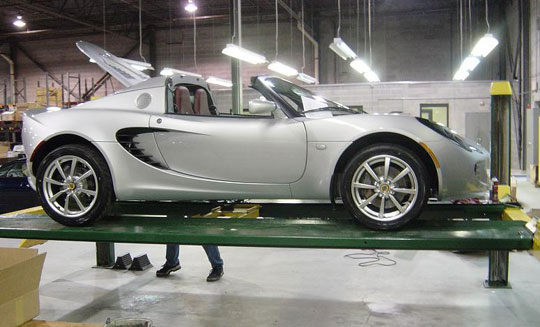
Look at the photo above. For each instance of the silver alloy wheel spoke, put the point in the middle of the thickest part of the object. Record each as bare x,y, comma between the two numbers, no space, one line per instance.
73,164
52,181
381,209
365,186
368,200
370,171
66,204
79,203
88,192
55,196
386,167
60,170
396,203
405,190
85,175
403,173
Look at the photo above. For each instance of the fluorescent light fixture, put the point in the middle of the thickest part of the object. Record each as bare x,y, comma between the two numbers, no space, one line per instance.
469,64
218,81
19,22
360,66
232,50
307,79
191,7
371,76
283,69
171,71
484,46
342,49
461,75
138,65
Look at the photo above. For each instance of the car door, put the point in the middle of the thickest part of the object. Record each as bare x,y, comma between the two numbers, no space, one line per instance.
247,149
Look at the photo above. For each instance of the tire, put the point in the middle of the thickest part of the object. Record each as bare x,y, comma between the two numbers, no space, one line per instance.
78,196
364,192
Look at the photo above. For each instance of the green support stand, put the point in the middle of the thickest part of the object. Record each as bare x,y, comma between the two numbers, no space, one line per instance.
498,270
105,256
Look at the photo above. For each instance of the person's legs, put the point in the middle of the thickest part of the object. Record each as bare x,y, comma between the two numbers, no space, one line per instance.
172,264
214,257
173,253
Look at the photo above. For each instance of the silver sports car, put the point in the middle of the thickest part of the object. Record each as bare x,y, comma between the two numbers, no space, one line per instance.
164,139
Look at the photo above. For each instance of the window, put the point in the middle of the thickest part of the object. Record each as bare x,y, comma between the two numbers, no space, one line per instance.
435,112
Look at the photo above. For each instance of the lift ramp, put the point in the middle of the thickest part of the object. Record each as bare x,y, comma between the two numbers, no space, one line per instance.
441,227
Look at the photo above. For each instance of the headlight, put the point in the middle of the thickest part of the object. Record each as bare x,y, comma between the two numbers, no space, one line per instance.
446,132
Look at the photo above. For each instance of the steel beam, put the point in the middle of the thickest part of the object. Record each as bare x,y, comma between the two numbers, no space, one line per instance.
236,65
53,13
40,66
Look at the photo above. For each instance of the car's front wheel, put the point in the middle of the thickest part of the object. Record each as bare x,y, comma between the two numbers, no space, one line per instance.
75,185
384,186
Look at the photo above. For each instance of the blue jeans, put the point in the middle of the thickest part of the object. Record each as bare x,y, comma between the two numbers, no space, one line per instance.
212,251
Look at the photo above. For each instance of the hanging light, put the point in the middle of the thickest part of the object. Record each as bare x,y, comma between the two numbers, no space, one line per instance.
191,7
485,45
171,71
469,64
461,75
371,76
342,49
19,22
307,79
360,66
219,81
283,69
232,50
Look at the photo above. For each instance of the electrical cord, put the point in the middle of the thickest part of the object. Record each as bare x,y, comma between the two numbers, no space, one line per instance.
372,257
277,30
140,31
303,40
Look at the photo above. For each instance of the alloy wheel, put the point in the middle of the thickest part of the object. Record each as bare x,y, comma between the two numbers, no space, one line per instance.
70,186
384,188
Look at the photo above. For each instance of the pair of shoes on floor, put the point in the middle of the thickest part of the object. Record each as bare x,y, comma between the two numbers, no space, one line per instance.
167,270
215,274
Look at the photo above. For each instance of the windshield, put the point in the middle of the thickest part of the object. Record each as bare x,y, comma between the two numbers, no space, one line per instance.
305,101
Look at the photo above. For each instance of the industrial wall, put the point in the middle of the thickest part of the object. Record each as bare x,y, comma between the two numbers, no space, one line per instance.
417,46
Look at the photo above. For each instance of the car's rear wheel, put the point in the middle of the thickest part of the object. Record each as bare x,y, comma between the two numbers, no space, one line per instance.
75,185
384,186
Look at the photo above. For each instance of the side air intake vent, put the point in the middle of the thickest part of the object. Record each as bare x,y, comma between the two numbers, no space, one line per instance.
133,140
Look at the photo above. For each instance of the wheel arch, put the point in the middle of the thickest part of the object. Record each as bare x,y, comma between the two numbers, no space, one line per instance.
57,141
388,138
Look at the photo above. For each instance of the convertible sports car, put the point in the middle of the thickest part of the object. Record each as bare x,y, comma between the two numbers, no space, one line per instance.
164,139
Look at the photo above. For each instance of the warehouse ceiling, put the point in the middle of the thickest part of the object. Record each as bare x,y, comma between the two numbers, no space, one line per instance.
57,18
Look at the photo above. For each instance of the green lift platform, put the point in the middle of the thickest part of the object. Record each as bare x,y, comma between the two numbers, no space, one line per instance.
441,227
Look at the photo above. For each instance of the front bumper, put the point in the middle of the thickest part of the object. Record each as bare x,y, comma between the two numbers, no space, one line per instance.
463,174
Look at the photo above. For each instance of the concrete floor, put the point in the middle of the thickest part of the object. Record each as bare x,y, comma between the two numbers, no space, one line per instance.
292,287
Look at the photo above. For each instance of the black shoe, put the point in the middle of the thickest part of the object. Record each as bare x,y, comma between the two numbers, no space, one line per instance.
167,270
215,274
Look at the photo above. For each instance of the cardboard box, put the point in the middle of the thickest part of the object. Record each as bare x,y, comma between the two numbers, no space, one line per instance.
8,116
20,272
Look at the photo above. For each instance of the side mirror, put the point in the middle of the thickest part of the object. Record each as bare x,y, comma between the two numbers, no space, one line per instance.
261,107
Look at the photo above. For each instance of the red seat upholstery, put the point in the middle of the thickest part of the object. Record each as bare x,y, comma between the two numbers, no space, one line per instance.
182,100
201,103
